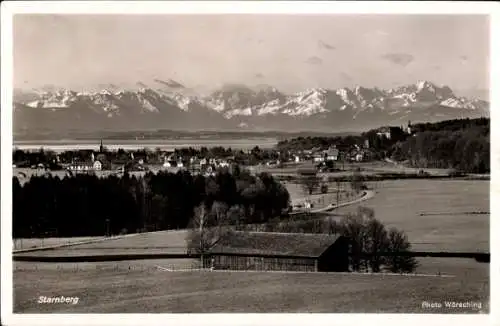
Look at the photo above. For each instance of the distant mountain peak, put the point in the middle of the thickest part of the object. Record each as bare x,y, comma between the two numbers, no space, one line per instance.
169,83
238,105
421,84
141,85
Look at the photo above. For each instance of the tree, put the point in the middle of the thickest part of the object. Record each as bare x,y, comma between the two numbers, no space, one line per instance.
352,229
207,228
156,201
357,183
373,247
339,186
377,242
309,181
398,243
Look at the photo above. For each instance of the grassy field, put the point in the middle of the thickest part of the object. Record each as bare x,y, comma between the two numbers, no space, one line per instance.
381,166
174,242
366,168
435,214
153,242
140,287
48,242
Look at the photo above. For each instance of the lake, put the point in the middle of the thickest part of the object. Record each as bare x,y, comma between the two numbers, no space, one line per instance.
164,144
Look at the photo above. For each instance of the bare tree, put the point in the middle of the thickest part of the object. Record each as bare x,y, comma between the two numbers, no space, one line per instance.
376,243
352,228
339,184
398,243
373,247
357,183
207,228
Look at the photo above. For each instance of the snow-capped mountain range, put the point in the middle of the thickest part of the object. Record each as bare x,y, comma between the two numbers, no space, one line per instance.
171,105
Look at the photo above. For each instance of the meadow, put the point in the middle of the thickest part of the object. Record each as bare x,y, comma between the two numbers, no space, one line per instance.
49,242
139,287
141,243
437,215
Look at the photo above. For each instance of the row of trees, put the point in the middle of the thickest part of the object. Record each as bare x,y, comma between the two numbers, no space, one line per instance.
85,205
370,240
465,150
311,183
453,125
369,236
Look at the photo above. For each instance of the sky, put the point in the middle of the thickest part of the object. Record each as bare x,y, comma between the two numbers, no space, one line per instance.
289,52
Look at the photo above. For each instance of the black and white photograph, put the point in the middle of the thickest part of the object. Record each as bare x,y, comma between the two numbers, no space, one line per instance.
177,159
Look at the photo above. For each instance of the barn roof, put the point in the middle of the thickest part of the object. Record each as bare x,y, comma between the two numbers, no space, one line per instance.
273,243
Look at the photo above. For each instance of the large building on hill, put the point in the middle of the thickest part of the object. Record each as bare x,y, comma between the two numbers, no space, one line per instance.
269,251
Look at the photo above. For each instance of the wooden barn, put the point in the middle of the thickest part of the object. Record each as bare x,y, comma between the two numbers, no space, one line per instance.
269,251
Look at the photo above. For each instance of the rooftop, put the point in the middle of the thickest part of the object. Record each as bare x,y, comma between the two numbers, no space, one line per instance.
273,243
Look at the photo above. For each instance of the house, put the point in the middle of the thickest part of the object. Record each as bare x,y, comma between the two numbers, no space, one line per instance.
97,166
297,159
208,170
81,166
105,164
166,162
332,154
318,157
359,156
85,166
270,251
196,167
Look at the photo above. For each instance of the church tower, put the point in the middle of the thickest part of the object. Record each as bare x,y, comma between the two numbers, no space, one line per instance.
101,148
